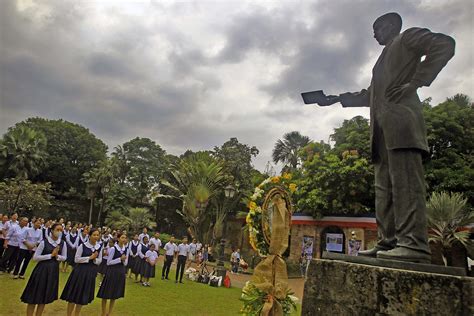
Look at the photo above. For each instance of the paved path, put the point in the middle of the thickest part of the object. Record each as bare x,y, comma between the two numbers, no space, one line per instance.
238,280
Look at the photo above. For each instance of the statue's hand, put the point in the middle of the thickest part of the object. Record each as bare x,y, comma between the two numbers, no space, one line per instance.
397,93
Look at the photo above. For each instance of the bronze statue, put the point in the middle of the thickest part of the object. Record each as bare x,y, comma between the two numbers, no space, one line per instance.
398,133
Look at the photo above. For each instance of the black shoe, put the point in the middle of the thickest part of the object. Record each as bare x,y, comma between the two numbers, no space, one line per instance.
181,282
176,281
166,278
372,252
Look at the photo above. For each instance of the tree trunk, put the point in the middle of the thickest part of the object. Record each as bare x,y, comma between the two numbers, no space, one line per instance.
90,210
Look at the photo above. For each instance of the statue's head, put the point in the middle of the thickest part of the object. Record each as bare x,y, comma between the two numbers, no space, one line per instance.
386,27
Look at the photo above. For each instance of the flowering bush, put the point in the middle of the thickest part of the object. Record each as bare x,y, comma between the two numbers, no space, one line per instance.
254,299
255,203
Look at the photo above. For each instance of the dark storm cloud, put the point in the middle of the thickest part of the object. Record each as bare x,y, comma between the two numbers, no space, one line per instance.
194,74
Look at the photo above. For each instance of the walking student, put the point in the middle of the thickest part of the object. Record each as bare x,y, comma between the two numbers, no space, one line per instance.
142,249
71,239
80,286
151,258
183,252
113,286
30,239
42,286
170,252
4,220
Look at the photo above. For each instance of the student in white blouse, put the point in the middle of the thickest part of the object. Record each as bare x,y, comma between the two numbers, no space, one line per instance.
42,287
30,239
12,245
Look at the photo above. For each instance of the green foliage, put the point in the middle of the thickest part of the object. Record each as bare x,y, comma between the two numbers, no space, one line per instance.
139,218
22,153
447,214
451,141
354,134
22,195
286,150
333,185
116,220
71,150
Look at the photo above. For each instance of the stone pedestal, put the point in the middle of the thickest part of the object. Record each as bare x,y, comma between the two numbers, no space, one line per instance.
335,287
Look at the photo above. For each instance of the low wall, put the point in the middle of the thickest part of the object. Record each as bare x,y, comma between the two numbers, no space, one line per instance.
343,288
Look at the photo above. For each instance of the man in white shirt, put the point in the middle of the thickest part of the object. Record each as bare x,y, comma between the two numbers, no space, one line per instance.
183,253
11,245
30,239
192,252
3,221
170,251
155,240
13,221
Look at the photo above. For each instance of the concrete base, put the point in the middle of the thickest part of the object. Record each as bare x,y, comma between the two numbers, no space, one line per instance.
344,288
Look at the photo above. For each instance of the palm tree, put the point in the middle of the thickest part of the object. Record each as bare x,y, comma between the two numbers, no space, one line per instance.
23,152
286,150
447,215
140,217
197,180
117,220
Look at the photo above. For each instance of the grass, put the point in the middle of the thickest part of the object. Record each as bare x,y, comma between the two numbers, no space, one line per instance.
162,298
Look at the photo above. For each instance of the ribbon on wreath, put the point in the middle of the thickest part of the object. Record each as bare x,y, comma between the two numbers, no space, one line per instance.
270,275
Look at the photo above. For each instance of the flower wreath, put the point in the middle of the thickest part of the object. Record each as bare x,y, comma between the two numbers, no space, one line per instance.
258,201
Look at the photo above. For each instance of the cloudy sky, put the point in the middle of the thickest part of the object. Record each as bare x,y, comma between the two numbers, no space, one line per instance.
192,74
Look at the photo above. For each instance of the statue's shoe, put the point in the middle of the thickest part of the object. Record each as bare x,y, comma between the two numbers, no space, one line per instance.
404,254
371,252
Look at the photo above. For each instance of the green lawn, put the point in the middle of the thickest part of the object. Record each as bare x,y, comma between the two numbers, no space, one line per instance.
162,298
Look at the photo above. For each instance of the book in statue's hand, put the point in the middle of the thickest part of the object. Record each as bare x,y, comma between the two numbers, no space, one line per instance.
319,98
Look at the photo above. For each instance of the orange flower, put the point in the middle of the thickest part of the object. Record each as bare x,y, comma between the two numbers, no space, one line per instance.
292,187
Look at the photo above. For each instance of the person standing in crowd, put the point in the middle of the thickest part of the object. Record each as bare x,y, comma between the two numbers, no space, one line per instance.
12,245
141,260
12,222
106,236
235,261
32,222
71,239
4,220
192,252
83,236
170,252
151,258
46,229
105,255
156,241
183,253
113,286
42,286
198,246
66,231
132,258
205,253
80,286
143,234
29,240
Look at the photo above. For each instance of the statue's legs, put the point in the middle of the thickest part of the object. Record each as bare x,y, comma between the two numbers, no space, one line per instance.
408,198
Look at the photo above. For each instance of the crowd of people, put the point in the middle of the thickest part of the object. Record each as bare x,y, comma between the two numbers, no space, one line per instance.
56,245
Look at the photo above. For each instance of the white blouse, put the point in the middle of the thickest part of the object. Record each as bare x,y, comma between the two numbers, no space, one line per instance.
78,257
60,257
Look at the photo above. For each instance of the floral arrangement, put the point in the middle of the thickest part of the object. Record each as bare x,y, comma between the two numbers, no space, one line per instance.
255,204
254,299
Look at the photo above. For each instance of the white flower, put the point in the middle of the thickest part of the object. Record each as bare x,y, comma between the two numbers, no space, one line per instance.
293,298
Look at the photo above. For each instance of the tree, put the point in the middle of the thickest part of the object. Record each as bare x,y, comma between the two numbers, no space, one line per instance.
117,220
99,180
22,153
71,150
354,134
450,166
141,163
286,150
333,185
22,195
140,217
447,214
196,180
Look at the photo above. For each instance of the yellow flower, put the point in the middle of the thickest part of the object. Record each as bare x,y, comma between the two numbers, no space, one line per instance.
292,187
287,176
252,205
248,219
276,179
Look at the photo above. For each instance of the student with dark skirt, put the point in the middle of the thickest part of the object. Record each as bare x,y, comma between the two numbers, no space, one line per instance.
42,286
140,264
151,258
113,286
71,245
105,255
80,286
132,258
